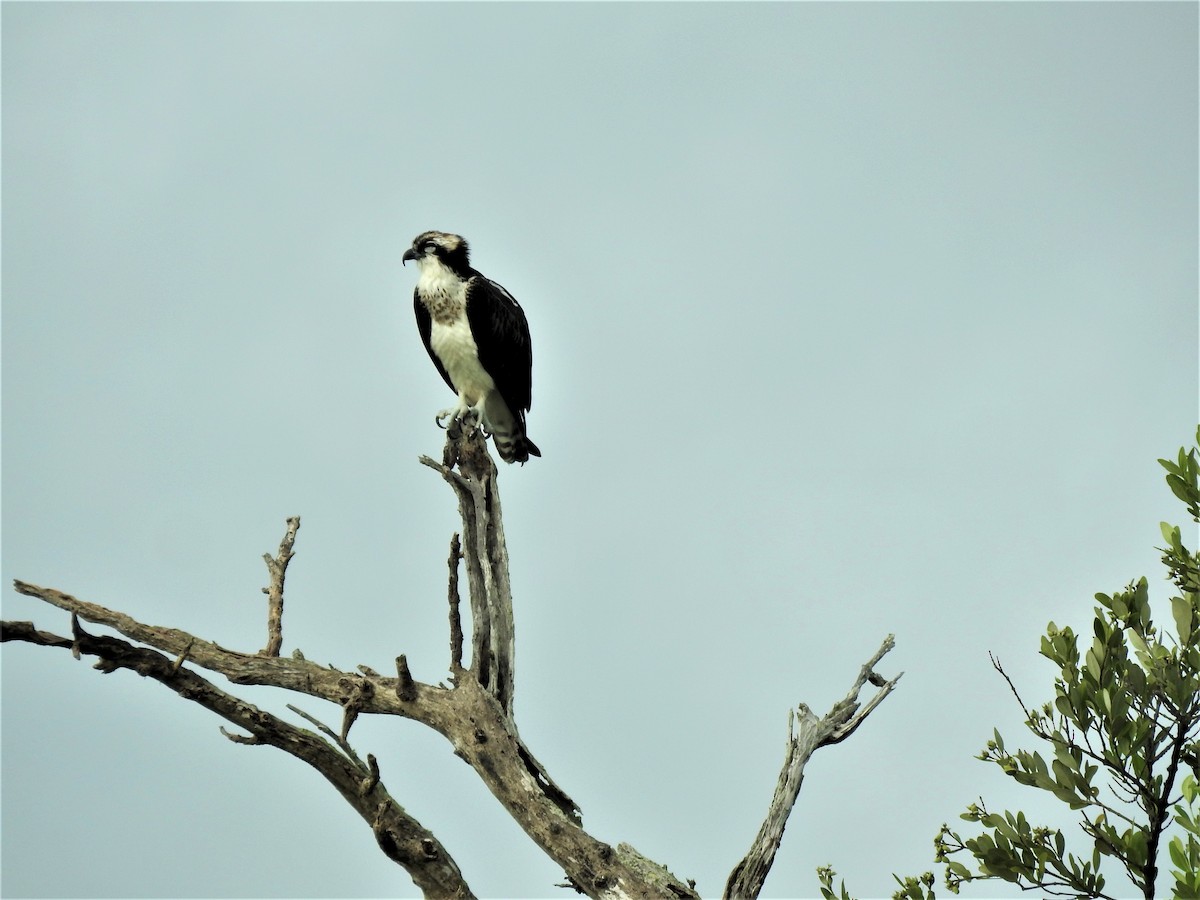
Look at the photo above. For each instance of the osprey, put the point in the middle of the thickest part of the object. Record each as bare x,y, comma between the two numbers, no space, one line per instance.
477,336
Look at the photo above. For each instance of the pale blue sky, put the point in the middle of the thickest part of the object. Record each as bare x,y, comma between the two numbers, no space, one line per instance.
848,319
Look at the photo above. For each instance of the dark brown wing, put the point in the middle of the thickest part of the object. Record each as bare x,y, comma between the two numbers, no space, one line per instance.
502,336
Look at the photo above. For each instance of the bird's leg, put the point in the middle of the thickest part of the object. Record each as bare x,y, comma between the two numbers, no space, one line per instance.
484,427
473,417
465,414
456,412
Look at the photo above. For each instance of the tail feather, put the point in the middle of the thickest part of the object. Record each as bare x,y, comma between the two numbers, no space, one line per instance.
515,447
508,431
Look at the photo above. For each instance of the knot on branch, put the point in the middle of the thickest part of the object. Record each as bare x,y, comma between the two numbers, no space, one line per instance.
384,837
358,693
406,688
368,784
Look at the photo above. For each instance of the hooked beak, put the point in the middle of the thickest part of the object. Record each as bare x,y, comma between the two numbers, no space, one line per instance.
408,254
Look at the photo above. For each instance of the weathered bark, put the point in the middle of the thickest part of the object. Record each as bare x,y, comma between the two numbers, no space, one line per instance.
400,836
493,641
277,570
456,632
475,715
809,735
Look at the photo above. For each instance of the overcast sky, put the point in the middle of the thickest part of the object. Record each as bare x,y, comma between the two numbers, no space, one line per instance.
847,319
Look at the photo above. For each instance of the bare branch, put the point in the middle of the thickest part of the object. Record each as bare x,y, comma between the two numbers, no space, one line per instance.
408,843
299,675
486,558
849,703
475,716
25,631
544,810
456,631
469,716
806,734
329,733
277,569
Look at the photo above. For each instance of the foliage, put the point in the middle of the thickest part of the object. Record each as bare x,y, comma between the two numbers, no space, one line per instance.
1119,746
914,887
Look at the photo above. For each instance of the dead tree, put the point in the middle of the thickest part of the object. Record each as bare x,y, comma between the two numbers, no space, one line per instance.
475,713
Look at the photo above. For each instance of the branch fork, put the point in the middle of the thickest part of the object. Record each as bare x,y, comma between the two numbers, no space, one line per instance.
475,714
485,554
807,733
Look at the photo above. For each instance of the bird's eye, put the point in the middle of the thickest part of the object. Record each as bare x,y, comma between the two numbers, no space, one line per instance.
429,247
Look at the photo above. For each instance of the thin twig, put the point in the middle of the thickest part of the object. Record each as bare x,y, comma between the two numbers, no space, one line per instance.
996,665
329,733
179,660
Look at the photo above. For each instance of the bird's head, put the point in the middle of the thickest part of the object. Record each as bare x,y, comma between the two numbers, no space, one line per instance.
439,247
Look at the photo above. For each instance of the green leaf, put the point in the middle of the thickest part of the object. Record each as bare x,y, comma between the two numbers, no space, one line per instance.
1181,609
1137,846
1169,532
1138,643
1178,856
1180,488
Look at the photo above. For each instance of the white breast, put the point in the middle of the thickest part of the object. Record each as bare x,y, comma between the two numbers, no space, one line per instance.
444,295
456,348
